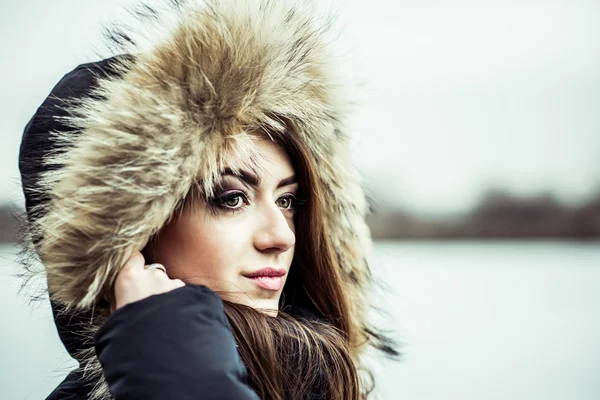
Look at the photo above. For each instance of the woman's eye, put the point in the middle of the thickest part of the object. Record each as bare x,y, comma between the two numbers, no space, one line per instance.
233,201
286,202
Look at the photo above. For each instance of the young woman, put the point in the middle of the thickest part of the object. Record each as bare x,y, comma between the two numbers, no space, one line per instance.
197,215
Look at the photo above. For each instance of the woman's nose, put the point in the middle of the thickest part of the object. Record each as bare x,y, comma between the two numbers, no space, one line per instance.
275,231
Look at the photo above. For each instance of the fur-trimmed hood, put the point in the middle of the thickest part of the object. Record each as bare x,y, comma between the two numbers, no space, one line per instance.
161,120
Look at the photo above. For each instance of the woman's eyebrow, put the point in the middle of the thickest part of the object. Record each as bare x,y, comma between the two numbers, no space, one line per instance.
287,181
247,177
253,180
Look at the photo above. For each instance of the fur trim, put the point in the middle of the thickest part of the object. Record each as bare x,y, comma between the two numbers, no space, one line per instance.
148,135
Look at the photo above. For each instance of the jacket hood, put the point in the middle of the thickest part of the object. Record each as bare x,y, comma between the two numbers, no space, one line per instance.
127,146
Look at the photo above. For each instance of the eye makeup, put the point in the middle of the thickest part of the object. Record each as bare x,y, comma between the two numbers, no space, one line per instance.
235,193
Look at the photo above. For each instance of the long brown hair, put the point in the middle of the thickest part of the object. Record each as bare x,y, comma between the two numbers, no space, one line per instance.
306,352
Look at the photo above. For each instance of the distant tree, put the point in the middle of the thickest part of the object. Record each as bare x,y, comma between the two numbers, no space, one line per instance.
9,223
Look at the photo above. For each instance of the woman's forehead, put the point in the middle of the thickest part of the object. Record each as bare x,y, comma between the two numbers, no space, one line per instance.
267,160
249,153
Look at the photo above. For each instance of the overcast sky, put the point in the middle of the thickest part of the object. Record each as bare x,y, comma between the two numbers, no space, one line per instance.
458,96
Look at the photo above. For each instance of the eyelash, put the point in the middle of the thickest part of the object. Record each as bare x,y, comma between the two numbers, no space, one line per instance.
219,202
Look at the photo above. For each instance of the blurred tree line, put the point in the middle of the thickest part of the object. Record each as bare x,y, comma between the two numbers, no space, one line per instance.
499,215
9,223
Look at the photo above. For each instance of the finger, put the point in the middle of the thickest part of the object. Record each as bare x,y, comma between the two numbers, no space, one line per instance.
178,283
136,261
156,266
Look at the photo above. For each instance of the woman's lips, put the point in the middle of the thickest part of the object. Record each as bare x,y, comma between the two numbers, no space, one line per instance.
269,282
268,278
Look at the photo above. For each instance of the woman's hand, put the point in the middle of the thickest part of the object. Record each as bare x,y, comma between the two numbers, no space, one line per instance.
136,281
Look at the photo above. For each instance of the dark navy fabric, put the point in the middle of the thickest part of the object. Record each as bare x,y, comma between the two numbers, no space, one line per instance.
36,144
177,345
72,388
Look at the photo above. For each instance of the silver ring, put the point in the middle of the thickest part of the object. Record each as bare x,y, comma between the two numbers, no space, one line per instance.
156,266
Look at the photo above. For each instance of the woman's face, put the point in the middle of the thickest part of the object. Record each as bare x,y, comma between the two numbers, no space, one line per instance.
241,242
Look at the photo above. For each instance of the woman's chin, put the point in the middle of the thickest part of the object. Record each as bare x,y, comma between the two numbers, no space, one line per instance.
268,306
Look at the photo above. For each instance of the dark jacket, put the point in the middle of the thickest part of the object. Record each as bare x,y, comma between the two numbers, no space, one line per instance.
176,345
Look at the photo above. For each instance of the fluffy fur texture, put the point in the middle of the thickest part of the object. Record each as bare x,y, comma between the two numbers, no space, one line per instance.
225,67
